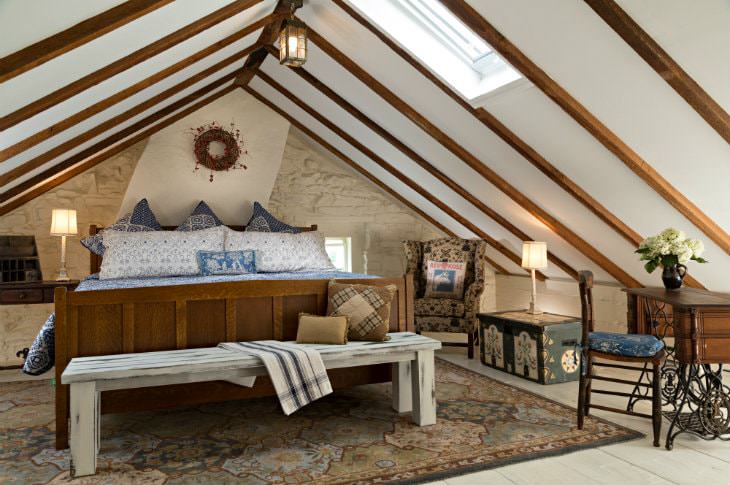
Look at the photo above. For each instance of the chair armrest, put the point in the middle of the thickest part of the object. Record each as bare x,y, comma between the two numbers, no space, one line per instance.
472,297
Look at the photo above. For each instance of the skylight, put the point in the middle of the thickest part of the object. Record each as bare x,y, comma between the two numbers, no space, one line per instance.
448,47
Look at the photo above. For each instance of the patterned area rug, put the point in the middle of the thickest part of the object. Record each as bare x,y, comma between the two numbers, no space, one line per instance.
348,437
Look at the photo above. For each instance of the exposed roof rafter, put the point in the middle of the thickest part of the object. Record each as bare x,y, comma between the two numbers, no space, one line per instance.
268,36
329,147
490,175
425,164
360,169
51,47
663,64
110,123
511,138
111,140
395,172
126,62
119,96
585,118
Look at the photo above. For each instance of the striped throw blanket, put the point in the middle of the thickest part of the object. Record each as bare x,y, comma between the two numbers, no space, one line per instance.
297,372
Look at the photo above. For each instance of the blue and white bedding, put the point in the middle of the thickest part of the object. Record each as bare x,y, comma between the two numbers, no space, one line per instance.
42,353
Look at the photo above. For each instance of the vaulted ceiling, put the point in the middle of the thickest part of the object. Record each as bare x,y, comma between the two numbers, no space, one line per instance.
618,129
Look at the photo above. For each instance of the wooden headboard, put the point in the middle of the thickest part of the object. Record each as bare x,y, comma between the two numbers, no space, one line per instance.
95,259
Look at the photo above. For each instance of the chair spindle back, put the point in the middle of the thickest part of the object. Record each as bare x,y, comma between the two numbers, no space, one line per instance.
585,279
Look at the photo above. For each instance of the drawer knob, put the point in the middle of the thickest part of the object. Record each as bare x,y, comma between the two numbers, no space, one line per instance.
21,296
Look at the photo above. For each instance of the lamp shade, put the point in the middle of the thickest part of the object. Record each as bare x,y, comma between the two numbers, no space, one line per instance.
63,222
534,255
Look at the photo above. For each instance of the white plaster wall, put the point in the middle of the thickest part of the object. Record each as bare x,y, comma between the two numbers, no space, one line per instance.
165,174
561,296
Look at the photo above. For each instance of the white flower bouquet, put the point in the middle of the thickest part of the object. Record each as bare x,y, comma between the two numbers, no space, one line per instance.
670,248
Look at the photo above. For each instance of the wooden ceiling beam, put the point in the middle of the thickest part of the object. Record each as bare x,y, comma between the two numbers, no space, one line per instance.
119,96
85,31
307,131
126,62
394,171
268,36
354,165
112,139
511,138
425,164
490,175
587,120
659,60
109,124
76,170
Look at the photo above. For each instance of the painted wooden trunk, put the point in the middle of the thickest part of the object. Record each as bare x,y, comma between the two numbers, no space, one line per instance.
541,348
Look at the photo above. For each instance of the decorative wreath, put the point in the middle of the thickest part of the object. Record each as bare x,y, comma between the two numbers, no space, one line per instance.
231,140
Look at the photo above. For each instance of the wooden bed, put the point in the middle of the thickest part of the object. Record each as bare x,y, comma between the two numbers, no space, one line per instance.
188,316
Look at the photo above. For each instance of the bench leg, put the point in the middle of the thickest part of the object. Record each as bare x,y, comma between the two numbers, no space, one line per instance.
423,384
84,428
402,401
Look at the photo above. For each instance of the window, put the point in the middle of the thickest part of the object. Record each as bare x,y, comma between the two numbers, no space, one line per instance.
340,252
448,47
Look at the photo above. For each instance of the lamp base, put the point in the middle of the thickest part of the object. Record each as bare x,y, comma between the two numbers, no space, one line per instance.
62,275
533,310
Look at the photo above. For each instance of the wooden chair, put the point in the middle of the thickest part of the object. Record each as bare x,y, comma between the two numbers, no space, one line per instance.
634,348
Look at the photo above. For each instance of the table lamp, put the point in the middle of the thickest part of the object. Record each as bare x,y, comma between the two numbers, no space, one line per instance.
63,223
534,256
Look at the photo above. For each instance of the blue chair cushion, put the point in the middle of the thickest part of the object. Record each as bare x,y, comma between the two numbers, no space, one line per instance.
625,345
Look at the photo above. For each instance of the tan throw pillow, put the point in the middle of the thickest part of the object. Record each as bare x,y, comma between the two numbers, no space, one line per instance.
316,329
445,280
367,307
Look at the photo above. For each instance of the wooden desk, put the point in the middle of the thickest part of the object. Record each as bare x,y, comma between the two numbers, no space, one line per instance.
692,373
699,320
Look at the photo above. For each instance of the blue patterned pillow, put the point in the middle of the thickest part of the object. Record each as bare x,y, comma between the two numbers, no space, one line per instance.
262,221
202,217
226,262
42,354
141,219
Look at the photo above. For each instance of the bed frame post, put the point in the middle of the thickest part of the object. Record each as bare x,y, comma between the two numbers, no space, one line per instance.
62,358
94,259
410,300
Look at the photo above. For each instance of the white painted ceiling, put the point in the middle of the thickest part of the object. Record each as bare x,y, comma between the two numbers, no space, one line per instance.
565,38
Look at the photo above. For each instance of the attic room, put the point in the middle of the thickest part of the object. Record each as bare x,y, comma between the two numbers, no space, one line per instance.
365,241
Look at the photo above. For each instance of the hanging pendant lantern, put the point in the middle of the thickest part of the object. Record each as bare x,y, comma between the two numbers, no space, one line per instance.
293,42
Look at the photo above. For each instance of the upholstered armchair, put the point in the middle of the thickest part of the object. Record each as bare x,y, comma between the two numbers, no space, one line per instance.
444,314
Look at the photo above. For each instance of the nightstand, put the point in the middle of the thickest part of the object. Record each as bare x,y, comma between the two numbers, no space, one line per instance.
31,292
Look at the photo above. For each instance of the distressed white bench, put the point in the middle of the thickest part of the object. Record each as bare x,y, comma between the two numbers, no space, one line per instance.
412,357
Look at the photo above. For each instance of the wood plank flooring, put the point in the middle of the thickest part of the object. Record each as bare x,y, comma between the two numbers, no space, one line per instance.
692,461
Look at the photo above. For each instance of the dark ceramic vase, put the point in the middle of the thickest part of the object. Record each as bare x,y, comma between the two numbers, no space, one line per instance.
672,276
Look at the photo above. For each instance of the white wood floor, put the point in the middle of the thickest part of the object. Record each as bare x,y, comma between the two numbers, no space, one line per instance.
692,461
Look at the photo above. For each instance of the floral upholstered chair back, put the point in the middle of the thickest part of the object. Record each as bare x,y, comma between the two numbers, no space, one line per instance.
470,251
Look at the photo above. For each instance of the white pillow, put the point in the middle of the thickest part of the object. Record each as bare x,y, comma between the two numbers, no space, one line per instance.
280,251
159,253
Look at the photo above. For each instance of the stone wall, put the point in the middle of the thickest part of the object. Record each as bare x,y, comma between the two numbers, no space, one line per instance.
96,195
314,188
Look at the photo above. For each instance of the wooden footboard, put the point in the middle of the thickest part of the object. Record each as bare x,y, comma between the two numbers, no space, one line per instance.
188,316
